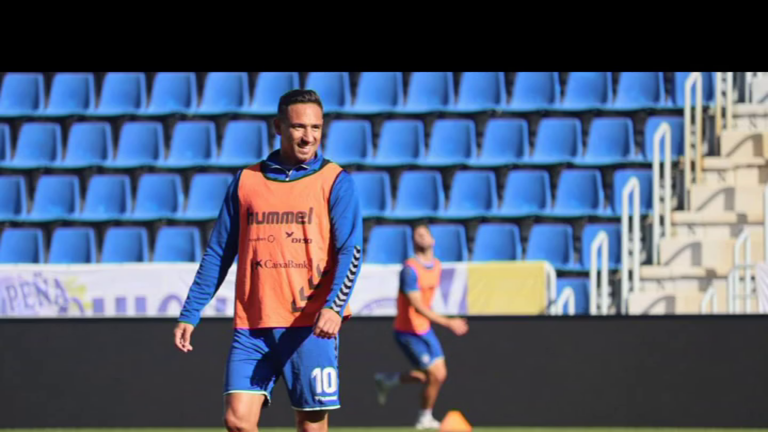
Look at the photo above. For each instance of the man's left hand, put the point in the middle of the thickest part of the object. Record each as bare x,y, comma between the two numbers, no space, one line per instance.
327,324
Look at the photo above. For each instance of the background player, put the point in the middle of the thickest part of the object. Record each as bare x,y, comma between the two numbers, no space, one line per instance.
419,279
294,220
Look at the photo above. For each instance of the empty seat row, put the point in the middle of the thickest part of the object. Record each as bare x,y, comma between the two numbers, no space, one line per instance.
552,242
376,92
139,143
610,141
474,193
109,197
77,245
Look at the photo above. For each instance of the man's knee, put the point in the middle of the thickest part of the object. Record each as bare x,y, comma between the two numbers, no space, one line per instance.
312,421
438,372
242,412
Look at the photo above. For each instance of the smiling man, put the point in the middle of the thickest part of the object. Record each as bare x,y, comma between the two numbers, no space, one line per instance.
294,221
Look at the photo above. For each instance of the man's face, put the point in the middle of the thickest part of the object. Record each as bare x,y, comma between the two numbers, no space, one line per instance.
423,238
300,131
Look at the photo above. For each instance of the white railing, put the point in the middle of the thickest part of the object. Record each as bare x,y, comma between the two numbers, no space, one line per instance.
567,299
664,132
599,244
709,299
694,79
735,292
551,288
632,187
765,222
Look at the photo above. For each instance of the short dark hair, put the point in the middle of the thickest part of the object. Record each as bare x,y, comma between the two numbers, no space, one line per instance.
421,225
297,96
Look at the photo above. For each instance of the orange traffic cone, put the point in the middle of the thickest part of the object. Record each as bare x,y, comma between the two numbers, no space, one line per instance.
454,421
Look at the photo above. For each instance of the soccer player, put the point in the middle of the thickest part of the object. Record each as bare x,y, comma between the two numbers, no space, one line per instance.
419,279
295,224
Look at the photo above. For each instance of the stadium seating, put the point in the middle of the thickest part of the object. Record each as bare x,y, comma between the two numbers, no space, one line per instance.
613,230
157,149
580,287
73,245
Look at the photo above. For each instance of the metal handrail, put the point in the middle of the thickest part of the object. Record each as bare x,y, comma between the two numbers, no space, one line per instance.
551,287
695,78
710,298
733,276
600,242
664,131
567,298
633,185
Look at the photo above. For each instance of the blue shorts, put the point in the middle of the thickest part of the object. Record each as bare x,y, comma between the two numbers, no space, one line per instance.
422,350
307,363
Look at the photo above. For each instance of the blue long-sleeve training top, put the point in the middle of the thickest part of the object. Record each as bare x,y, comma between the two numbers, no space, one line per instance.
346,227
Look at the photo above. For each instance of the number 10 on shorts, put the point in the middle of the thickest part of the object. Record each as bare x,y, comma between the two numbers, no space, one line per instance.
325,380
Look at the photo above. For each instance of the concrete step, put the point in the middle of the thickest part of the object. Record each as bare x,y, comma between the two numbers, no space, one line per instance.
685,300
734,171
743,143
717,254
722,198
714,225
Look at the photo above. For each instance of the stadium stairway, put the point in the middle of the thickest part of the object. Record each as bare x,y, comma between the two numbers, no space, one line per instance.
698,254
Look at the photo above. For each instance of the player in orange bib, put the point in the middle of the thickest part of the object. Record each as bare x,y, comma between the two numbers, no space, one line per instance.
294,222
419,279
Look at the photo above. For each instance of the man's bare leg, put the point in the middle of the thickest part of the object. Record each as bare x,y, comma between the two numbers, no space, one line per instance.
312,421
242,411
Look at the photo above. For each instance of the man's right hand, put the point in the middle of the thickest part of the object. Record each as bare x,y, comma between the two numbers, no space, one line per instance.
458,325
183,335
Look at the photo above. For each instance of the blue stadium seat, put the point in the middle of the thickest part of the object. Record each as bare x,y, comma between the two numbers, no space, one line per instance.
107,198
551,242
620,179
125,244
349,141
480,91
375,192
611,141
173,93
450,242
177,244
527,192
89,144
22,246
270,86
333,88
13,197
535,91
224,92
588,234
558,140
38,146
401,142
389,244
429,92
56,197
707,89
140,144
452,142
72,93
677,135
579,193
640,90
505,142
588,91
158,196
206,195
420,194
580,287
473,194
193,144
22,94
72,245
245,142
497,242
122,93
378,93
5,144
